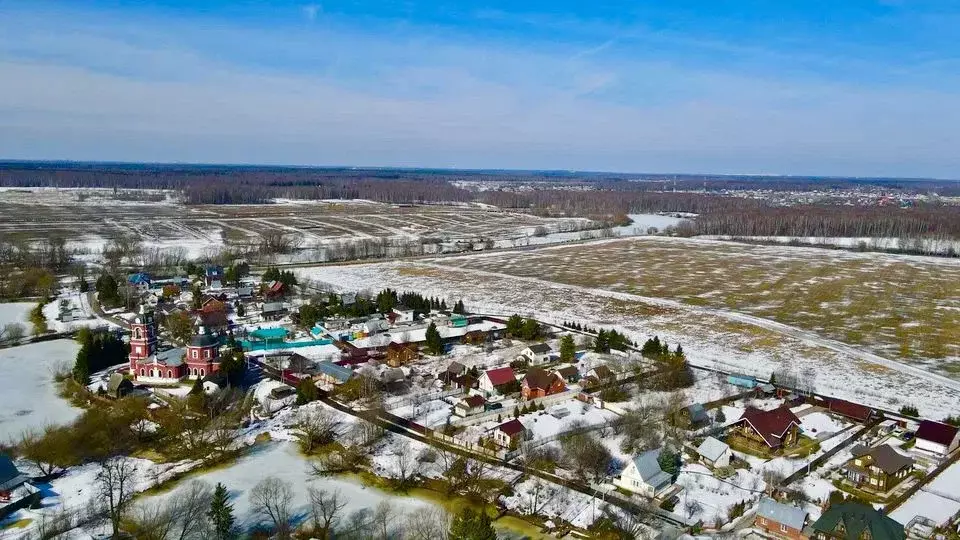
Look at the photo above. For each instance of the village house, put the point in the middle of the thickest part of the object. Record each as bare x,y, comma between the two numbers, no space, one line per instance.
118,386
937,438
511,433
538,383
140,282
273,311
498,381
714,453
213,276
536,354
401,354
780,520
15,491
331,373
765,431
855,521
853,411
403,314
245,293
216,321
879,469
470,405
275,290
454,370
569,374
466,382
392,376
692,416
603,374
644,476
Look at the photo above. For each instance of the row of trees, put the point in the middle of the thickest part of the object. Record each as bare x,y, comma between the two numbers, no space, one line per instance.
520,328
99,349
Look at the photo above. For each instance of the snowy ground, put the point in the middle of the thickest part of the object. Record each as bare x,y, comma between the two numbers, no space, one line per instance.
28,393
77,301
840,370
939,500
16,312
715,496
545,425
283,460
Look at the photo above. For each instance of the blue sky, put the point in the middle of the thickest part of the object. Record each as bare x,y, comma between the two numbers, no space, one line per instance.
779,87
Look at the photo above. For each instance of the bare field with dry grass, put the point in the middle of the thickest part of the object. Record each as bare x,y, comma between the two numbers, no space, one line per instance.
901,307
710,339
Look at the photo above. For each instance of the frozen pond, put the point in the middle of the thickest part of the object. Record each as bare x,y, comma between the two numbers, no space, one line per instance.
16,312
642,222
28,394
284,461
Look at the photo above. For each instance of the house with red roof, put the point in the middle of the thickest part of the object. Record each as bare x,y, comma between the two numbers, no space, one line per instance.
937,438
510,433
538,383
765,431
498,381
853,411
470,405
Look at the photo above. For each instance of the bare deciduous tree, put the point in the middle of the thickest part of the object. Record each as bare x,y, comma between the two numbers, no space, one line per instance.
427,523
325,509
115,483
271,499
315,427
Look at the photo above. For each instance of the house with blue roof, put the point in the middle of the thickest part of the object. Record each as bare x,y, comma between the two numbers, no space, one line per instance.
331,373
741,380
644,476
15,490
140,281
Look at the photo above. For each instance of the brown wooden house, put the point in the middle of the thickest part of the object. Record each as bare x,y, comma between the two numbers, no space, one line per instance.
765,431
878,469
401,354
538,383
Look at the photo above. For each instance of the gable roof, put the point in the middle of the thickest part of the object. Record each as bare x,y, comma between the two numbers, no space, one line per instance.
539,378
770,425
474,401
456,368
540,348
886,457
115,381
568,371
698,413
648,468
170,357
937,432
512,427
850,410
603,372
712,448
856,518
10,477
784,514
341,373
272,307
500,376
213,319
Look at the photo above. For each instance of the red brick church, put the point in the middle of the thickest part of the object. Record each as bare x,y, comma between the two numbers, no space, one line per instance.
151,366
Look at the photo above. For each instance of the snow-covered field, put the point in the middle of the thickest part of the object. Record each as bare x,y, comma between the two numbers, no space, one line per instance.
28,393
715,496
939,500
727,340
931,245
283,460
16,312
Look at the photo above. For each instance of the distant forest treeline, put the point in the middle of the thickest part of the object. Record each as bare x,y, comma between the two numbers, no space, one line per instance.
592,195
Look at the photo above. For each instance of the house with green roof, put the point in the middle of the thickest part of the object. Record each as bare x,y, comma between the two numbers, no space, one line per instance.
856,521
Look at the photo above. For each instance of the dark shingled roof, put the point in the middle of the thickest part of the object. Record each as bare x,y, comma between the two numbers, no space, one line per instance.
771,425
540,348
538,378
856,518
937,432
850,410
475,401
889,460
204,340
512,427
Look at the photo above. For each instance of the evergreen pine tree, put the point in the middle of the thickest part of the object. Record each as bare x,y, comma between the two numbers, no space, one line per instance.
443,305
679,352
568,348
306,391
197,388
81,367
434,341
221,514
720,417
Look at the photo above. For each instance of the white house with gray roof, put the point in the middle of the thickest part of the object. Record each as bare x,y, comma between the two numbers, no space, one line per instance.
644,476
715,453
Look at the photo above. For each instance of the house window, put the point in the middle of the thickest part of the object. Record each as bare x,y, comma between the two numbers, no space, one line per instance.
169,374
783,528
141,372
195,355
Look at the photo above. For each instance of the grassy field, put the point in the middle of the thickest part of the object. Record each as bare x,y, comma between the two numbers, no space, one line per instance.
710,338
906,308
88,219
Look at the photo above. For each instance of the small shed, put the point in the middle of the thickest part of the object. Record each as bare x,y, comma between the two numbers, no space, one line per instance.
119,386
714,452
